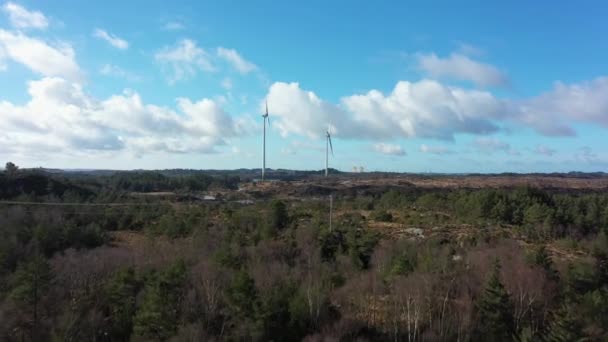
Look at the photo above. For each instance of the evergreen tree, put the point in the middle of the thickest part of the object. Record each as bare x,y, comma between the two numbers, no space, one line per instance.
32,280
244,303
121,293
280,218
565,327
495,312
543,259
243,295
11,169
158,316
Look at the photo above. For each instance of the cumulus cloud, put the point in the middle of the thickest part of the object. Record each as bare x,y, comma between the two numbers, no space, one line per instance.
184,60
294,110
236,60
425,109
544,150
413,109
61,117
553,113
429,109
113,40
40,57
434,149
21,18
116,71
389,149
460,67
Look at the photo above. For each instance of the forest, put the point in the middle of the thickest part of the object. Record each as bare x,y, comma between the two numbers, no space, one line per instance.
82,259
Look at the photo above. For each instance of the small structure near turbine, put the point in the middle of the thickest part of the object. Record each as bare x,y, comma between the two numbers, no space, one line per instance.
328,147
266,119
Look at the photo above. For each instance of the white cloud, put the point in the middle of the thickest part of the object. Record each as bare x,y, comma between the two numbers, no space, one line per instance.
115,41
554,112
173,26
461,67
544,150
420,109
39,56
184,60
429,109
434,149
293,110
116,71
21,18
236,60
389,149
61,117
425,109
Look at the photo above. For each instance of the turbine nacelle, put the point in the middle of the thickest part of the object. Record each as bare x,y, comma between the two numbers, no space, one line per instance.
265,115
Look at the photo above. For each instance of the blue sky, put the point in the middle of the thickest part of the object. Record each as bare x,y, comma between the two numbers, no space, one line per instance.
467,86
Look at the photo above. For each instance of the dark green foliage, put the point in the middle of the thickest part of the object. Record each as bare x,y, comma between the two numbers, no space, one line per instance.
243,295
11,169
120,294
283,313
382,216
31,283
150,181
172,226
392,199
495,311
278,219
564,326
579,278
310,282
158,316
39,186
543,259
278,214
331,244
361,244
403,262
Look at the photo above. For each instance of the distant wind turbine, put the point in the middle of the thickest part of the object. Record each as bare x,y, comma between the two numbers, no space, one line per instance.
328,147
266,118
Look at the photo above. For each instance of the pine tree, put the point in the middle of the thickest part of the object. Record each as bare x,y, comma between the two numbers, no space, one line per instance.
32,280
542,259
495,311
243,295
158,316
564,327
121,293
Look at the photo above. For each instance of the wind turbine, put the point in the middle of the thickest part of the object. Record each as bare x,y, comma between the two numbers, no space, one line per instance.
266,118
328,147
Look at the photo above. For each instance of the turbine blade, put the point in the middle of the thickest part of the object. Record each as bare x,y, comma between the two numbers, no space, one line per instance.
268,117
266,107
331,148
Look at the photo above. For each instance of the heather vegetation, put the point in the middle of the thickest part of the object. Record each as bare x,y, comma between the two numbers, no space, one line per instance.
407,264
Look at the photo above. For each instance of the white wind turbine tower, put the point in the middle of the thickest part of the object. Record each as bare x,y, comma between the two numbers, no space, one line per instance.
266,118
328,147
